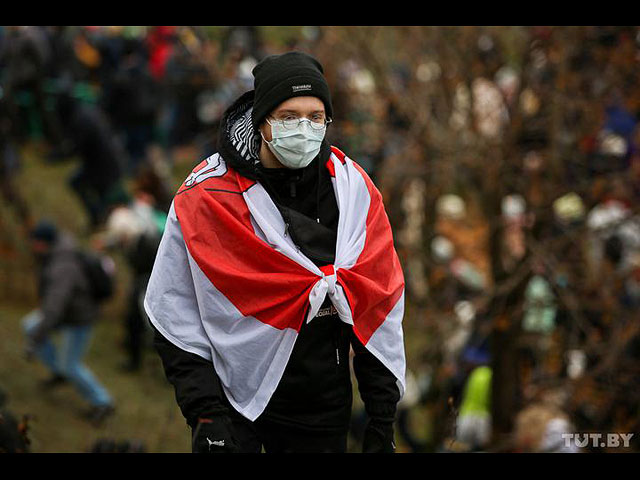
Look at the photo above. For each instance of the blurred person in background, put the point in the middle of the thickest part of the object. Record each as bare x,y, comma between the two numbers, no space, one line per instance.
186,75
13,433
67,306
257,353
473,424
155,181
540,428
10,166
160,43
133,101
97,181
135,229
12,439
25,59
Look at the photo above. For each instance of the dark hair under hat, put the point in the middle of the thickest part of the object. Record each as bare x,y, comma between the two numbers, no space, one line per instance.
280,77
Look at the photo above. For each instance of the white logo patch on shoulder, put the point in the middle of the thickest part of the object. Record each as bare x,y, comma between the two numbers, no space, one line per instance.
214,166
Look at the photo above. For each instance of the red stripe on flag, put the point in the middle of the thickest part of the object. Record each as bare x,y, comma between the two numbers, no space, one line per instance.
375,283
328,270
200,166
331,168
258,280
338,153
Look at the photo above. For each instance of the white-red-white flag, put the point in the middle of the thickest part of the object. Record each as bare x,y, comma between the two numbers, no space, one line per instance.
230,285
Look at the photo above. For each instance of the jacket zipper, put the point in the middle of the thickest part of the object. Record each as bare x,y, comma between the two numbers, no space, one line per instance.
337,345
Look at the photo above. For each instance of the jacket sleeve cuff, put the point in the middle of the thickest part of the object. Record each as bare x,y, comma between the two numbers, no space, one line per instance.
381,412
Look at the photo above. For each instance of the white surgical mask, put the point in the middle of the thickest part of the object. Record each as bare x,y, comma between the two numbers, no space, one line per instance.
296,147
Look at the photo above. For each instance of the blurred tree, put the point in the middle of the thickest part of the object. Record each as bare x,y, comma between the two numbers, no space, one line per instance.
484,112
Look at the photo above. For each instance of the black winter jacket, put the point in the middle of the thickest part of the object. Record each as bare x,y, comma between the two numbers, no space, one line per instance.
64,289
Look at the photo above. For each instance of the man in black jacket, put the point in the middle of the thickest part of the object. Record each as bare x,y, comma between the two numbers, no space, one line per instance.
311,406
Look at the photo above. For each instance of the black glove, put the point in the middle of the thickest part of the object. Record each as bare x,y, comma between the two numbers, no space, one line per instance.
213,435
378,437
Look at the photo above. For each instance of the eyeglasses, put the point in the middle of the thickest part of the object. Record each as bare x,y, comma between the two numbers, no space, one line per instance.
291,123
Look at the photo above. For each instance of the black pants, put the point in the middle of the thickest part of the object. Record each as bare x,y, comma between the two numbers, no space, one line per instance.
252,437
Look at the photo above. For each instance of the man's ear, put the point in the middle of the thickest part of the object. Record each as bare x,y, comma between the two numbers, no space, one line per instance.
265,129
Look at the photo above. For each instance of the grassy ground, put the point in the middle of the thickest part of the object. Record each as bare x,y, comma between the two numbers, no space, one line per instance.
146,410
146,407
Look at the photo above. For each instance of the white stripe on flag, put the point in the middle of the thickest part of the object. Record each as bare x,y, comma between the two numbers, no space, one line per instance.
249,356
385,341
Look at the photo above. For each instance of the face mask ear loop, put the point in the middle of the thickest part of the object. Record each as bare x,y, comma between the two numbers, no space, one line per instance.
262,136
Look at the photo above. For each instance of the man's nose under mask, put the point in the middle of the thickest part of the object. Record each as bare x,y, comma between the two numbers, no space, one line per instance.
295,148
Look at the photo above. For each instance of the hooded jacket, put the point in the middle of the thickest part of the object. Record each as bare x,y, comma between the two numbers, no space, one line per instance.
315,390
64,289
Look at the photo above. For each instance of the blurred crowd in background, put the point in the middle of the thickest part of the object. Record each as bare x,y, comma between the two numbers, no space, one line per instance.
508,158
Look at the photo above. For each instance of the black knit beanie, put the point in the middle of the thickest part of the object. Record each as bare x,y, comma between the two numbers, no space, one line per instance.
280,77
